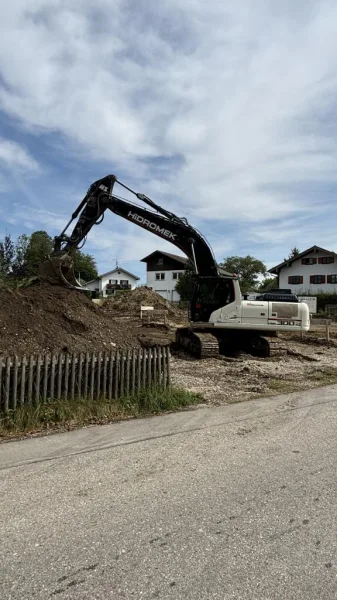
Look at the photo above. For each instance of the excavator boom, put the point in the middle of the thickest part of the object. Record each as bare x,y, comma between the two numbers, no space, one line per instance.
58,269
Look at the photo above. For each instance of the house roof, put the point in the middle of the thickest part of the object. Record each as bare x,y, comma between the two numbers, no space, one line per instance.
114,271
285,263
182,259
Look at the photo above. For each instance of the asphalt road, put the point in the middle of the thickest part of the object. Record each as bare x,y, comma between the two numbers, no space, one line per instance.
229,502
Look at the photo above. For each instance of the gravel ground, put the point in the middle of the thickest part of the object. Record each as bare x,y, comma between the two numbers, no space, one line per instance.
226,380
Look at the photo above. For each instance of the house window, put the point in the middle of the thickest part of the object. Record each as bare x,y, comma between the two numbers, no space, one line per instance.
317,279
295,279
309,261
331,279
113,281
176,275
160,261
326,260
160,276
124,282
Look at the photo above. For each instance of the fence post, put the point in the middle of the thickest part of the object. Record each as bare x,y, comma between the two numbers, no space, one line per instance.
133,373
139,363
168,354
59,376
128,366
52,376
116,373
73,374
122,371
30,378
98,377
37,378
92,376
45,377
79,375
144,367
7,382
105,367
111,364
86,375
15,382
149,365
159,366
155,371
164,367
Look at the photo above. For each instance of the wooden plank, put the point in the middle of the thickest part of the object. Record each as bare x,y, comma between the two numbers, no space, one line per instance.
164,367
15,382
155,366
45,378
168,374
110,375
7,382
86,375
105,369
128,368
160,366
66,376
149,365
37,379
1,371
133,372
80,375
139,367
98,376
30,379
72,377
52,377
122,374
117,365
92,376
59,376
144,367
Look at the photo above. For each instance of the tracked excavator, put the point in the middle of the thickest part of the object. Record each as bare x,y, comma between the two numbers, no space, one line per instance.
219,320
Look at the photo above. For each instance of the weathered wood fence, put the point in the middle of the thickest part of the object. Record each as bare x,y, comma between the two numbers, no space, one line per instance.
35,379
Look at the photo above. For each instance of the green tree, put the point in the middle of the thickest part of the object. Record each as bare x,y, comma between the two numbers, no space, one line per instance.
267,284
185,283
7,254
85,266
247,268
39,247
294,252
19,262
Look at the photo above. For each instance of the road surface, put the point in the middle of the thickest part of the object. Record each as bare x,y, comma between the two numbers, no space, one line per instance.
231,502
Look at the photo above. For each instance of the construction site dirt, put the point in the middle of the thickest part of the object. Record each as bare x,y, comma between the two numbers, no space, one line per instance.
42,319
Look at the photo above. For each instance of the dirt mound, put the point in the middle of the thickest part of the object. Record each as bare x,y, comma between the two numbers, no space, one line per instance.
53,319
129,304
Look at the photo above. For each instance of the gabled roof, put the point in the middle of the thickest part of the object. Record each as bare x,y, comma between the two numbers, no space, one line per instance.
285,263
114,271
182,259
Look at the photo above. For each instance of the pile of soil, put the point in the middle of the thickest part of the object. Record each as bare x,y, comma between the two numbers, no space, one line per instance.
43,318
129,303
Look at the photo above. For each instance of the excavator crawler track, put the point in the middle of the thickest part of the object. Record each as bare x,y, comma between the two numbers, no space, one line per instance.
276,348
200,345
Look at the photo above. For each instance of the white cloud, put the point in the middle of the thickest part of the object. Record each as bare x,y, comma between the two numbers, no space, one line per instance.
239,96
14,155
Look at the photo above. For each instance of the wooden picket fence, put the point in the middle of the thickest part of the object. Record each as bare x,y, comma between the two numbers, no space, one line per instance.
41,378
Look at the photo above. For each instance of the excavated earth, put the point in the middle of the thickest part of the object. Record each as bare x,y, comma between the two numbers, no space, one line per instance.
43,319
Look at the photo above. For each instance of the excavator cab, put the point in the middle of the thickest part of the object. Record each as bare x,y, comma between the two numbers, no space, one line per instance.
210,294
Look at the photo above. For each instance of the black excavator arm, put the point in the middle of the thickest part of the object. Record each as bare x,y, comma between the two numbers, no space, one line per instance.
159,221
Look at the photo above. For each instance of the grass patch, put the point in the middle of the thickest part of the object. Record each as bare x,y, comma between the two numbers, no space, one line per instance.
69,414
279,385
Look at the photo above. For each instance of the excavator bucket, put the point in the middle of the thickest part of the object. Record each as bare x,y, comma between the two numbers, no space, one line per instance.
59,270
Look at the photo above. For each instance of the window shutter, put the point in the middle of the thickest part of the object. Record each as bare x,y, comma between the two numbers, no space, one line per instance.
320,260
301,279
289,279
312,278
323,278
329,279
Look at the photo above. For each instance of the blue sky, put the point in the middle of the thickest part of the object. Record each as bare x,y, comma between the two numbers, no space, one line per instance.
223,112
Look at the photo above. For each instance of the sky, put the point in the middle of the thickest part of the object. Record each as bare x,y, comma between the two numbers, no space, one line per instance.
222,112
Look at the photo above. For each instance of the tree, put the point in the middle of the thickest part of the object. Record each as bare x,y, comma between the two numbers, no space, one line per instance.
39,247
19,262
294,252
267,284
247,268
7,253
85,266
185,283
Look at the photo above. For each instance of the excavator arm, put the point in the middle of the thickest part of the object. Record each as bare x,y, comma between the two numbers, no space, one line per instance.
90,212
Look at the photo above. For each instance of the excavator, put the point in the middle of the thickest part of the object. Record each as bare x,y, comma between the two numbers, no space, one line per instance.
219,320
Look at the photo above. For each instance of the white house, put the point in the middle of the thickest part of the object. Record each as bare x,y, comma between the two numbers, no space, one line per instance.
312,271
162,273
113,281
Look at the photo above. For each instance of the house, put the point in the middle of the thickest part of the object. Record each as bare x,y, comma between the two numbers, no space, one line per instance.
116,280
162,273
312,271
